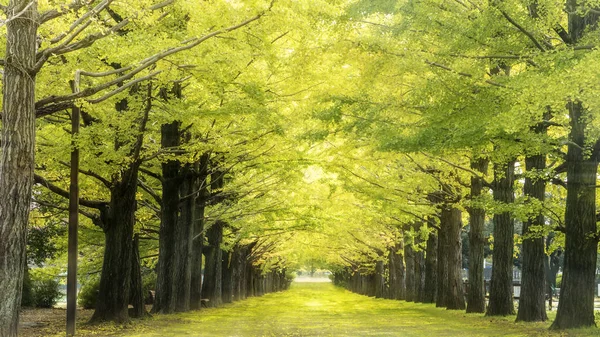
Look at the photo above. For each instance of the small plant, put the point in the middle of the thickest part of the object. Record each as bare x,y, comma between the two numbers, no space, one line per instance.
89,294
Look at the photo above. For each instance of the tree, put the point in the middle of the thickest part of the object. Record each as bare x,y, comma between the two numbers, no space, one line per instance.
17,155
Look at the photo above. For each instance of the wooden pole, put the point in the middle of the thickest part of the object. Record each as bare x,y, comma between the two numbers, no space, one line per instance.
73,218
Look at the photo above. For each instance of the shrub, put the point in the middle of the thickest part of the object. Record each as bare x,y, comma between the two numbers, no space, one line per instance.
45,293
89,294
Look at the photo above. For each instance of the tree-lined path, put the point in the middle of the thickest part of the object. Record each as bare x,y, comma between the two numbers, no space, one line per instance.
321,309
166,155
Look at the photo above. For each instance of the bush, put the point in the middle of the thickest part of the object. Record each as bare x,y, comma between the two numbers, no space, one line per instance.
45,293
27,299
89,294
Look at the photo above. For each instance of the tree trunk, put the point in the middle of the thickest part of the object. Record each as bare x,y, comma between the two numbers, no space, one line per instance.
227,268
165,301
476,292
137,292
183,234
397,285
201,185
455,299
409,260
431,279
501,294
442,263
576,304
532,304
379,280
115,280
419,257
16,157
212,287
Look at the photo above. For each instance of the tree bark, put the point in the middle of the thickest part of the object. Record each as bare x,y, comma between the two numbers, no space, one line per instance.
455,298
576,304
409,260
16,158
165,301
379,280
476,293
431,278
183,234
227,268
397,285
115,280
442,263
532,304
212,287
201,185
501,294
137,295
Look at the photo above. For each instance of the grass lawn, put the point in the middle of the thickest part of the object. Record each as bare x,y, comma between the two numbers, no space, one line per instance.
320,309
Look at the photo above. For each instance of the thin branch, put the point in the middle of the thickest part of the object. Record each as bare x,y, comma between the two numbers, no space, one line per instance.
83,43
154,175
56,13
435,64
150,191
144,64
104,181
18,15
476,174
101,205
524,31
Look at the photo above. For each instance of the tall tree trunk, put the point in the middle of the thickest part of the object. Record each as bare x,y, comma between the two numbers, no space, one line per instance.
476,293
532,304
16,157
227,267
442,263
379,280
420,275
165,300
455,299
409,260
501,294
397,285
212,287
183,234
576,304
201,185
431,278
115,280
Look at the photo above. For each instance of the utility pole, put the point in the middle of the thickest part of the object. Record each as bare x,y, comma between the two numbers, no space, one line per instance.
73,216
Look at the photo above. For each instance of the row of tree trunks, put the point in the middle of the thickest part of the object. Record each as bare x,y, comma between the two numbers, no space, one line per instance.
428,272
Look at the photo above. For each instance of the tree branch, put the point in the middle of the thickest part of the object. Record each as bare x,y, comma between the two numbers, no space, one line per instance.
56,13
100,205
104,181
144,64
524,31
